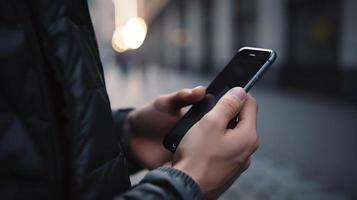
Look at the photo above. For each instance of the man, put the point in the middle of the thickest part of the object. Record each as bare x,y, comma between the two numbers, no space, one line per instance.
60,140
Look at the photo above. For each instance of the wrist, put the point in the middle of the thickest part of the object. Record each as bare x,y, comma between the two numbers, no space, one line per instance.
194,172
177,180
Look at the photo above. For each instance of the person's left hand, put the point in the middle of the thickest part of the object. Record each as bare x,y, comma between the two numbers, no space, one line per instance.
151,123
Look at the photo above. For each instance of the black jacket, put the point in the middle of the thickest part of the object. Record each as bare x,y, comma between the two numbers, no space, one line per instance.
58,136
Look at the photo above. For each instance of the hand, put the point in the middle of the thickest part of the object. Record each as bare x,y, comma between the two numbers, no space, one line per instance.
151,123
213,155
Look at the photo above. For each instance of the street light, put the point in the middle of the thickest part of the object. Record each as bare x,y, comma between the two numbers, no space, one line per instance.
130,31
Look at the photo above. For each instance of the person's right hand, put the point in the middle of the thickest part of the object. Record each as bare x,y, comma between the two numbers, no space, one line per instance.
213,155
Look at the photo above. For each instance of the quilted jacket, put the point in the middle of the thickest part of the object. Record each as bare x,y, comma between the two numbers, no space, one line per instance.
59,138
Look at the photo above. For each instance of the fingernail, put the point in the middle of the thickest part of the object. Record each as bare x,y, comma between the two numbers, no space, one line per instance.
239,93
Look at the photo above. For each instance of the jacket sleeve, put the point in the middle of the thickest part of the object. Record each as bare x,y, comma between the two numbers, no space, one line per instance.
164,183
122,129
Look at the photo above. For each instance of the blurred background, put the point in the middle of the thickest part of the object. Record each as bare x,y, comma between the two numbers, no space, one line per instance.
308,100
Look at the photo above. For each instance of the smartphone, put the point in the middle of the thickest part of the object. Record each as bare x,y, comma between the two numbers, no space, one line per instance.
245,68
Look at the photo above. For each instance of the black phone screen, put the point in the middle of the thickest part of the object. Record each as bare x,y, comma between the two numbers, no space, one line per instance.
239,71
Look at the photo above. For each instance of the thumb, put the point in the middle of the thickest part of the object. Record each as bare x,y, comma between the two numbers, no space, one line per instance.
229,105
173,102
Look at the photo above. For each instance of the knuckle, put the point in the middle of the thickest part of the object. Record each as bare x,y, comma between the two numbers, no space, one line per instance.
254,143
229,103
251,142
241,161
247,164
160,100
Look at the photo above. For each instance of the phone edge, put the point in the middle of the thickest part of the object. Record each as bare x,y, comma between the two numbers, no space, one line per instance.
261,71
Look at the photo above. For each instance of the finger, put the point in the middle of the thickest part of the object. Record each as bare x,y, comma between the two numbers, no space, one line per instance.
175,101
248,115
228,106
246,130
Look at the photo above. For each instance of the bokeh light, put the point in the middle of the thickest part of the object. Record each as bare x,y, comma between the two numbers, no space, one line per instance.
129,36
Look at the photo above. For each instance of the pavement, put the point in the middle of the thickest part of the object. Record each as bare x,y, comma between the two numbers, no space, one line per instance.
308,142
